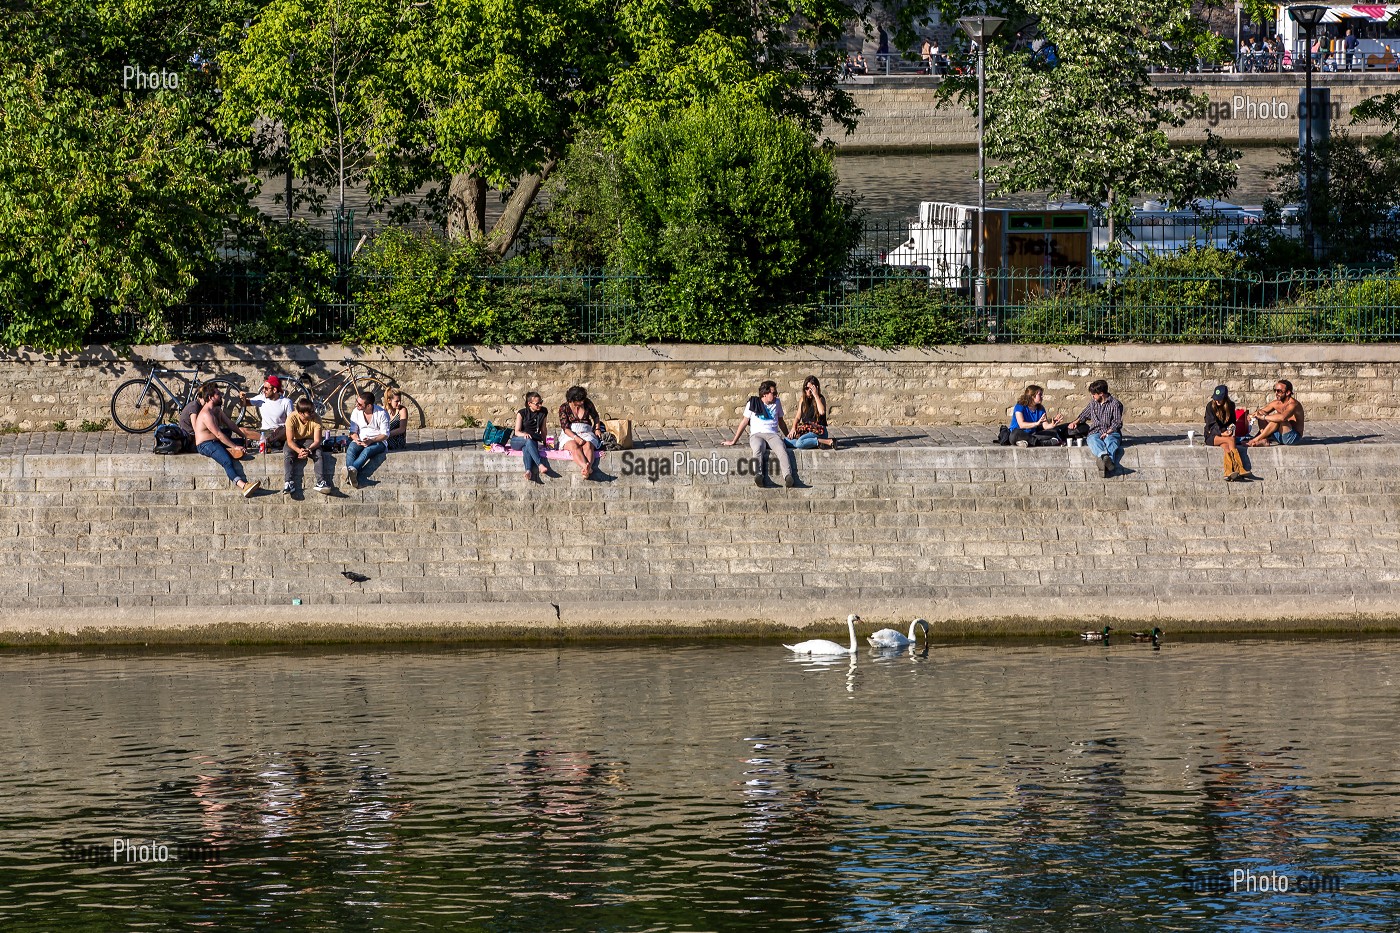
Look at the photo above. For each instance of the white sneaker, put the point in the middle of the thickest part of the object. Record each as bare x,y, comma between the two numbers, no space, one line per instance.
1022,444
288,488
323,488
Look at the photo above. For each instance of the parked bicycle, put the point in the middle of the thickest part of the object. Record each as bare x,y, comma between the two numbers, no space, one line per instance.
138,405
334,396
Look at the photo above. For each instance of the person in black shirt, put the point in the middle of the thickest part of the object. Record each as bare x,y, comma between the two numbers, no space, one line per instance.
1220,431
529,435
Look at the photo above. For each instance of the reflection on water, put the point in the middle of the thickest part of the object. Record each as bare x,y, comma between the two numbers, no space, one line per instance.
1004,786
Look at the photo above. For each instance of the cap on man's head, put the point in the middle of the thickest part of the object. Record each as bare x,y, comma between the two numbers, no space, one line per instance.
273,381
1221,393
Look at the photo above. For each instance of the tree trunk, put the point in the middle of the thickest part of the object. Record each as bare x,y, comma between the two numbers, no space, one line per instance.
466,208
507,228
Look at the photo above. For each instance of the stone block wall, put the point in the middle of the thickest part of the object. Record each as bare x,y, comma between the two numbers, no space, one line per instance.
690,386
1002,537
906,113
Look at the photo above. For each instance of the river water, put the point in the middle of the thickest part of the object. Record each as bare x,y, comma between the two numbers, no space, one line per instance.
722,786
888,187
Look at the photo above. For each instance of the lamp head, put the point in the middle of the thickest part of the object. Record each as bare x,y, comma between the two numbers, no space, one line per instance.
979,27
1307,15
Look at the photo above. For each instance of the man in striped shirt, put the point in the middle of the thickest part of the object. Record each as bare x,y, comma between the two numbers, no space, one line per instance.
1104,415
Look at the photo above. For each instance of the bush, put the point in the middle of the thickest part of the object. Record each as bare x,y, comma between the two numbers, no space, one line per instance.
732,214
1069,315
418,291
1182,297
903,312
1363,309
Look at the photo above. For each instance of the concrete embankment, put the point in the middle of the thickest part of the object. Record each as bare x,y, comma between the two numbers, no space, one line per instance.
127,547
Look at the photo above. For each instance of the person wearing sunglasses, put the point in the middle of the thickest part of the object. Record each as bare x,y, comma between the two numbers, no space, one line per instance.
1280,421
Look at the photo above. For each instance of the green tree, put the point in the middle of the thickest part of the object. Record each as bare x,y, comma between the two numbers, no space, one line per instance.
734,215
308,87
1092,127
112,197
505,86
113,208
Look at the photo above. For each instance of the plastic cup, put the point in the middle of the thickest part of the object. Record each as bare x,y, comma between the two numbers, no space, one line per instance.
1190,438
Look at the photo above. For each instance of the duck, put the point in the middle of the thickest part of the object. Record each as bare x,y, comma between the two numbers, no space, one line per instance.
823,646
889,638
1154,635
1097,636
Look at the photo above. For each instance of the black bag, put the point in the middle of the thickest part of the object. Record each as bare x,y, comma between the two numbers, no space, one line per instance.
171,439
1004,436
609,441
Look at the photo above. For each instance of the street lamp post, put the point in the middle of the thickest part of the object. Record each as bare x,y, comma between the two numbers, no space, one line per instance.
1308,16
980,28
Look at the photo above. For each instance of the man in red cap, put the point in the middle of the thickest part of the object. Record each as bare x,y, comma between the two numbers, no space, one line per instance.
273,407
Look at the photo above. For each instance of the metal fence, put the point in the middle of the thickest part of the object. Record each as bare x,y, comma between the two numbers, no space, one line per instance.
1040,301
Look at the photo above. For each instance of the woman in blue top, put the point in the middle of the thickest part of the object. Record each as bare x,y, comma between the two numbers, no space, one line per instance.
1031,424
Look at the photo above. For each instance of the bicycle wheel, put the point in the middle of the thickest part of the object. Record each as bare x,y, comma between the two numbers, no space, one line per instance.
345,399
234,407
138,406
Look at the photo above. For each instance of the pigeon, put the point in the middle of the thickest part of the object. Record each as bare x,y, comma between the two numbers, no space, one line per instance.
353,577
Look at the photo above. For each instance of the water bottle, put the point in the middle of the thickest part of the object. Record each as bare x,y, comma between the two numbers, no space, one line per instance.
262,443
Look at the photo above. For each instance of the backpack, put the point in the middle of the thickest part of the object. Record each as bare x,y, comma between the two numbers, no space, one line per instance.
495,435
1004,436
170,439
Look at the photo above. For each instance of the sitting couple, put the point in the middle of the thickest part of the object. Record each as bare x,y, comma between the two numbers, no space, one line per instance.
580,427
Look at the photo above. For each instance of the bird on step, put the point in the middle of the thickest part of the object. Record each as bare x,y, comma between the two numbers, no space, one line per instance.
889,638
353,577
820,646
1097,636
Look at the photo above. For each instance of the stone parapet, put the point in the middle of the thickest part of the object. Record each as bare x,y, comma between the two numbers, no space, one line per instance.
686,386
456,544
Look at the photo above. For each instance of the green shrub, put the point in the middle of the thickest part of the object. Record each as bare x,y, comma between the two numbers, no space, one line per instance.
1363,309
904,312
416,290
732,216
1071,314
1182,297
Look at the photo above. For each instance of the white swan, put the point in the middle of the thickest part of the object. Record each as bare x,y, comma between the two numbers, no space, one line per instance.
822,646
889,638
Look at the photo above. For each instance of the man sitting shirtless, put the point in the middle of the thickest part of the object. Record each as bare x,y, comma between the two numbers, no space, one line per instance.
1280,421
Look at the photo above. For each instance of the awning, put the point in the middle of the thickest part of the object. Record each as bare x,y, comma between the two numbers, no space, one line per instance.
1373,12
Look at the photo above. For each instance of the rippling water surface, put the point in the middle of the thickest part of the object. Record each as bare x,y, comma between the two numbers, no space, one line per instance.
706,787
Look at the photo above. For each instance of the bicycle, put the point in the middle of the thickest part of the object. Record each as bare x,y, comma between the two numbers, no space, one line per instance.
138,405
336,394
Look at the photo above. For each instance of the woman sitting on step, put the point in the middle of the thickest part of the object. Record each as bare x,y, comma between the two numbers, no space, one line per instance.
1031,425
809,430
1220,431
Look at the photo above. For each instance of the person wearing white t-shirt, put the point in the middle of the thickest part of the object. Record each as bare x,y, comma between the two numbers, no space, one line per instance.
369,436
273,408
763,415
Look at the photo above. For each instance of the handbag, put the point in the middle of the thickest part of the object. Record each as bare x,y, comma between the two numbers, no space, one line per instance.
493,435
621,430
810,427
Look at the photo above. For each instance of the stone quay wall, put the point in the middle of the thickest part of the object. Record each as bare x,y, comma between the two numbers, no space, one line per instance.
456,544
697,386
903,113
